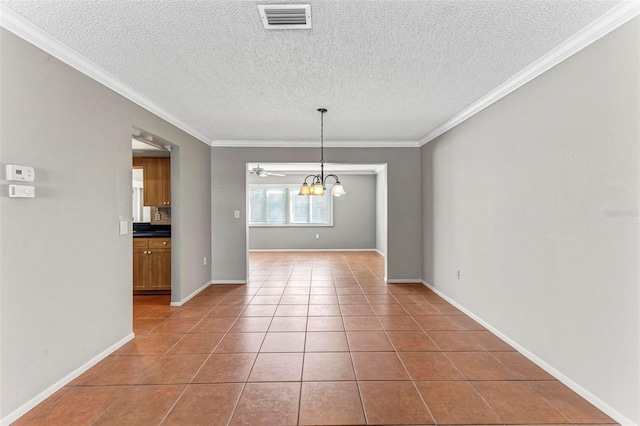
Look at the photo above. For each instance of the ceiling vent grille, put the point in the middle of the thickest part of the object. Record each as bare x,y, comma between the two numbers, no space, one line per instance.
285,16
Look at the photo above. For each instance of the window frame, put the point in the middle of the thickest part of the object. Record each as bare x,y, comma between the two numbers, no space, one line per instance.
291,189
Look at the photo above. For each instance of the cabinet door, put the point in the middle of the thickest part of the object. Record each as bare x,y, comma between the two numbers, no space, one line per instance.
165,166
152,182
140,269
160,269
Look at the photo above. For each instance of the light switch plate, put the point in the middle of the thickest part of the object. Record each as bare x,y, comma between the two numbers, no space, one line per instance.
124,227
22,191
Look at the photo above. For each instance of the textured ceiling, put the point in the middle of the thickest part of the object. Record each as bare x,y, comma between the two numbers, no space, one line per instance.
386,70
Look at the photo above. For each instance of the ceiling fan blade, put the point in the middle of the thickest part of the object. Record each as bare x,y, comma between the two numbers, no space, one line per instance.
275,174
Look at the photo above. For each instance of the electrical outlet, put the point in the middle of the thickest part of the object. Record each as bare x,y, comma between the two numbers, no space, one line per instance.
204,261
458,274
317,236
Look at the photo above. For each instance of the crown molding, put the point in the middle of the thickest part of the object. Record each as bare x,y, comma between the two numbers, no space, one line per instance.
26,30
236,143
608,22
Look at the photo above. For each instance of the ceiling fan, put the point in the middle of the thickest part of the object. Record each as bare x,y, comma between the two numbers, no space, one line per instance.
262,173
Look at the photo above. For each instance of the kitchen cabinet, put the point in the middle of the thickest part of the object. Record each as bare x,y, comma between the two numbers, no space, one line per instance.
151,264
157,182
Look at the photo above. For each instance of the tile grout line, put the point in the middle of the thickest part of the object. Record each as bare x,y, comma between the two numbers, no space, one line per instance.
244,384
190,382
168,413
395,351
353,366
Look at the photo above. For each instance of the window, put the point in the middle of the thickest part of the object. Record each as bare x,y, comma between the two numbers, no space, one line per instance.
268,206
282,206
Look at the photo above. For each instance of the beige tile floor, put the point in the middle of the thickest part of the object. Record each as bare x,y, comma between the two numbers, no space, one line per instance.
315,338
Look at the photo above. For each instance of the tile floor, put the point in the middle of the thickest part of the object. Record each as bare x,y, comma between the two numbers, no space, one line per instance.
313,339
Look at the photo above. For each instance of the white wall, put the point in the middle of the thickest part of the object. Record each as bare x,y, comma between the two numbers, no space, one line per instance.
517,198
354,219
65,271
228,183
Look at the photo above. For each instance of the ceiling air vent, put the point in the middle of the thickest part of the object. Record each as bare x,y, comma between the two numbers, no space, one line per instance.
285,16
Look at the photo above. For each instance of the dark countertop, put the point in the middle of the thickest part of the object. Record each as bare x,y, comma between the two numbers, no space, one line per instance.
146,230
151,234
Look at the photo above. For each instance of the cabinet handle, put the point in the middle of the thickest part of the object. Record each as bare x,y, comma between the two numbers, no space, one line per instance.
164,243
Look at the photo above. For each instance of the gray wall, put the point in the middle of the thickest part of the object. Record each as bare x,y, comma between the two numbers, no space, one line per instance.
517,198
190,204
354,219
65,271
228,177
381,211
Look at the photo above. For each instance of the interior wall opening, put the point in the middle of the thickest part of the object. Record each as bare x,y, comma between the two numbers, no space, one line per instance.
152,255
279,219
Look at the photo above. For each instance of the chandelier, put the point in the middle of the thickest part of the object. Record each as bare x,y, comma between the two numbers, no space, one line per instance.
318,182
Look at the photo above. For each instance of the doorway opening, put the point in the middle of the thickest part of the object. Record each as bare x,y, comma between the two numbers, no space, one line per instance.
151,216
278,219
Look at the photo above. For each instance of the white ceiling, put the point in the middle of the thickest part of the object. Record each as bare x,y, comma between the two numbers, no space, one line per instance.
137,145
389,72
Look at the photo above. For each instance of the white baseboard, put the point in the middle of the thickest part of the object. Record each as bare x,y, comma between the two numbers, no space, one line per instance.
16,414
191,296
380,253
604,407
219,282
404,281
305,250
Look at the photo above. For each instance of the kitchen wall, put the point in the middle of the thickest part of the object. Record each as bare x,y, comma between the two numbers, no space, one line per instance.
65,271
535,201
354,219
228,186
160,215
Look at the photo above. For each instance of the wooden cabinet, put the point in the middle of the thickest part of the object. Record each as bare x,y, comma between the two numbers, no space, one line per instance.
157,182
151,264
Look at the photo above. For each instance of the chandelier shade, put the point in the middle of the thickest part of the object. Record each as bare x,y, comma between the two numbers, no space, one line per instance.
337,190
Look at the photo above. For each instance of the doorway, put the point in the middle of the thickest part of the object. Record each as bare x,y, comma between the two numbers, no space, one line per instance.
278,219
151,215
